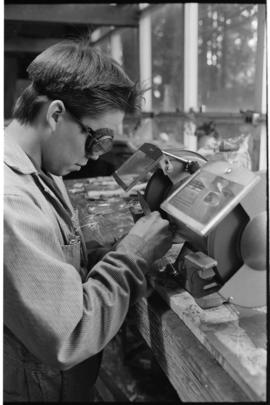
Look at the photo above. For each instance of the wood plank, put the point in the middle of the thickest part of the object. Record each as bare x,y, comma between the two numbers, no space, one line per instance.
231,344
195,375
210,355
73,14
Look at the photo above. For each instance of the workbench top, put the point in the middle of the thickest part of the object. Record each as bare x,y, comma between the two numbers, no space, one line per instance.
213,355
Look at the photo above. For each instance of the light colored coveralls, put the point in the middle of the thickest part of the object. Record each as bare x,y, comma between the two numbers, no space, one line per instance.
57,317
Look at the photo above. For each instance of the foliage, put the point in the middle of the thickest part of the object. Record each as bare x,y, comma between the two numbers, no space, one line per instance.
227,49
226,54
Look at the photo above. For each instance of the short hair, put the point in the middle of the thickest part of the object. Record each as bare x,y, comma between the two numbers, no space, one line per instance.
87,81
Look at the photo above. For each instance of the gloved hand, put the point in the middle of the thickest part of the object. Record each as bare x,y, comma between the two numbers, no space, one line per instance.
156,233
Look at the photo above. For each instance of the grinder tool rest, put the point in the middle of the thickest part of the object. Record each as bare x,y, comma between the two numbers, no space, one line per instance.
219,212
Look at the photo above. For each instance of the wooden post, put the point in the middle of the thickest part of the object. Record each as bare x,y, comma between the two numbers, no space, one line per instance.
10,74
145,52
116,47
190,69
260,82
145,55
117,54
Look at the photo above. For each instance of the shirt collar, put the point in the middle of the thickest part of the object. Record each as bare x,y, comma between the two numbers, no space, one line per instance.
16,158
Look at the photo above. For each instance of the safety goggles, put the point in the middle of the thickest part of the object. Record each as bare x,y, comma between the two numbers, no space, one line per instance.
98,141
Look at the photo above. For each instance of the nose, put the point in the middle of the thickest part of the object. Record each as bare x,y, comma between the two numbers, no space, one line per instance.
84,162
94,156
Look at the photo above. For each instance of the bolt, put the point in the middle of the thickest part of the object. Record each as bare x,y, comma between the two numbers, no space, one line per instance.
228,170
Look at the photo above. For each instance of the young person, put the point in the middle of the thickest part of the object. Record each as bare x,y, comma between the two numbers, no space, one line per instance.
58,316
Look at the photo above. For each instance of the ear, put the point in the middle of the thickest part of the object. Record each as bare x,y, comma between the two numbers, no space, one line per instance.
55,112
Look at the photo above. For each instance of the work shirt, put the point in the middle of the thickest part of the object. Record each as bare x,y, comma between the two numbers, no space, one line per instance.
57,316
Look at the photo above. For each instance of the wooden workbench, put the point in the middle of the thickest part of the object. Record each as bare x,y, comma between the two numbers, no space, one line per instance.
213,355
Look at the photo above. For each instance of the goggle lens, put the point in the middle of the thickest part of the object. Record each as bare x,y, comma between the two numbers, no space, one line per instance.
98,141
101,142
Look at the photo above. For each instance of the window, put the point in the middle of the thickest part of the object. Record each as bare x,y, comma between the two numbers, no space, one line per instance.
130,49
167,57
227,45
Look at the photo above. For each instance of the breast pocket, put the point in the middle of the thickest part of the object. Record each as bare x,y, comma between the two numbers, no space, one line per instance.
72,253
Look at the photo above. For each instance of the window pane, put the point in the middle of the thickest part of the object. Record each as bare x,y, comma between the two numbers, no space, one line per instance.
167,131
130,49
167,57
227,46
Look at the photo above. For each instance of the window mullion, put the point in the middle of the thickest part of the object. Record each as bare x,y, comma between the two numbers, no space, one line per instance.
260,78
190,69
145,52
260,83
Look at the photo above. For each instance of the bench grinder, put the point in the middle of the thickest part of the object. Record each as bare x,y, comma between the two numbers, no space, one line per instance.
219,213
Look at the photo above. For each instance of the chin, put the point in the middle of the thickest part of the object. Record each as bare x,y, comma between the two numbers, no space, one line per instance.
59,172
64,172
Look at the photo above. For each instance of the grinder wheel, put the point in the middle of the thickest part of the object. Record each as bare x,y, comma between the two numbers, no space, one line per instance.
223,243
157,190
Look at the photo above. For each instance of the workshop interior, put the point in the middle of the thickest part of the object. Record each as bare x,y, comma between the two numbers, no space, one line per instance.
198,153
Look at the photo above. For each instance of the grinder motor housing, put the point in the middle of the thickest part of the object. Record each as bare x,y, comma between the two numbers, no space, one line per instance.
219,213
208,263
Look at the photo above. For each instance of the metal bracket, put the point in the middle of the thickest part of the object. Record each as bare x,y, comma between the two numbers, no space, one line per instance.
200,275
192,166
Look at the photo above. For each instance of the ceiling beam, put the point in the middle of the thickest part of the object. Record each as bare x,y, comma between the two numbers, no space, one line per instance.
98,14
148,8
98,37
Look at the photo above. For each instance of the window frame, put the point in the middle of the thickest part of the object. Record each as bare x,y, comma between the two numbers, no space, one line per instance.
191,72
190,57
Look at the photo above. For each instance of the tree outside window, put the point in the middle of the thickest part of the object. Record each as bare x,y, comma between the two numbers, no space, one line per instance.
227,47
167,57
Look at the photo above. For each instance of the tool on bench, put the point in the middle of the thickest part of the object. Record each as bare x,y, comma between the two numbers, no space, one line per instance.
219,211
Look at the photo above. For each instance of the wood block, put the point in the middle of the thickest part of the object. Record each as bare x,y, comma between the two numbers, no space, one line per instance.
195,375
220,330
